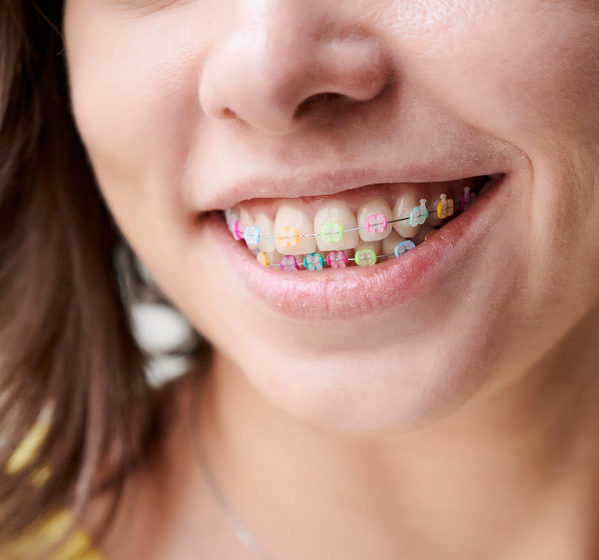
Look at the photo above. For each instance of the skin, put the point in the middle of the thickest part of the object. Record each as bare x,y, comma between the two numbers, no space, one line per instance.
484,441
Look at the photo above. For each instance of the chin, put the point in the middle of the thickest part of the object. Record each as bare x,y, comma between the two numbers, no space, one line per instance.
379,393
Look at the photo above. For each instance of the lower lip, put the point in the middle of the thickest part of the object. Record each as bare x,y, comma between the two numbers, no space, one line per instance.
342,293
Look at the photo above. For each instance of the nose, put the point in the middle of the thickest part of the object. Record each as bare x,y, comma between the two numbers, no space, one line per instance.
278,64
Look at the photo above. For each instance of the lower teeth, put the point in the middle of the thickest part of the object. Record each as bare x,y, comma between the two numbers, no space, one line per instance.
365,254
336,259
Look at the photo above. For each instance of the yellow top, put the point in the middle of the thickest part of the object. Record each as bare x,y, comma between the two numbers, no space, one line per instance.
77,547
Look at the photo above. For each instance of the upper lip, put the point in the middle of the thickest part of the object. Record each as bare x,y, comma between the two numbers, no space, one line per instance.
305,183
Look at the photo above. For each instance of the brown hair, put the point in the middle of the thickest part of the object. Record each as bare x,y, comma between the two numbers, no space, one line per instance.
65,333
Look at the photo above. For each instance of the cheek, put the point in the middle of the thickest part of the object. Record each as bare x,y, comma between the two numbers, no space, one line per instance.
528,74
132,127
136,110
133,96
517,69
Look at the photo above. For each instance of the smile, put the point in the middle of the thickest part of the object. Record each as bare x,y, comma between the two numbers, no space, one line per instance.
362,227
345,259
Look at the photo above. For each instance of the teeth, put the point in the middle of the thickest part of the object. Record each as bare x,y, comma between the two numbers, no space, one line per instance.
337,259
289,263
433,219
366,252
374,245
373,217
335,228
290,224
245,221
334,216
444,208
402,209
404,247
268,259
232,219
313,262
267,227
274,257
388,244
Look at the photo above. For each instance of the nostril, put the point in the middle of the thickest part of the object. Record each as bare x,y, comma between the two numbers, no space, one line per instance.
227,113
326,98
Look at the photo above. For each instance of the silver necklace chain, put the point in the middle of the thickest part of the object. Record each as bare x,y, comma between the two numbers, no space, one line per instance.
243,534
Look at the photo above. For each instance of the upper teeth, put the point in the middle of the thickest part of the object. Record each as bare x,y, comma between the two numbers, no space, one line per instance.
336,228
374,215
294,231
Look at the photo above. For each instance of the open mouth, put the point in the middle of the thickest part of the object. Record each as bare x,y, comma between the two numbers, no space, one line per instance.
360,227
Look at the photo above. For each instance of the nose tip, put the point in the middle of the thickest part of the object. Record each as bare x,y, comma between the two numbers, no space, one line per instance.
270,81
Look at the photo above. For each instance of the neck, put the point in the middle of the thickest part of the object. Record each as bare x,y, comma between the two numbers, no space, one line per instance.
514,471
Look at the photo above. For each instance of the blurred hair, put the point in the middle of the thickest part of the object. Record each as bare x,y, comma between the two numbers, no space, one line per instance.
66,342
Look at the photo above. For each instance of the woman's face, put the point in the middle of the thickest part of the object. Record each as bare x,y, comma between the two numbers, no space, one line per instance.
197,105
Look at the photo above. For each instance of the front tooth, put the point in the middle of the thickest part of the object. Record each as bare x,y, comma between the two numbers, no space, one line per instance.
373,216
388,244
290,224
267,228
335,217
404,205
